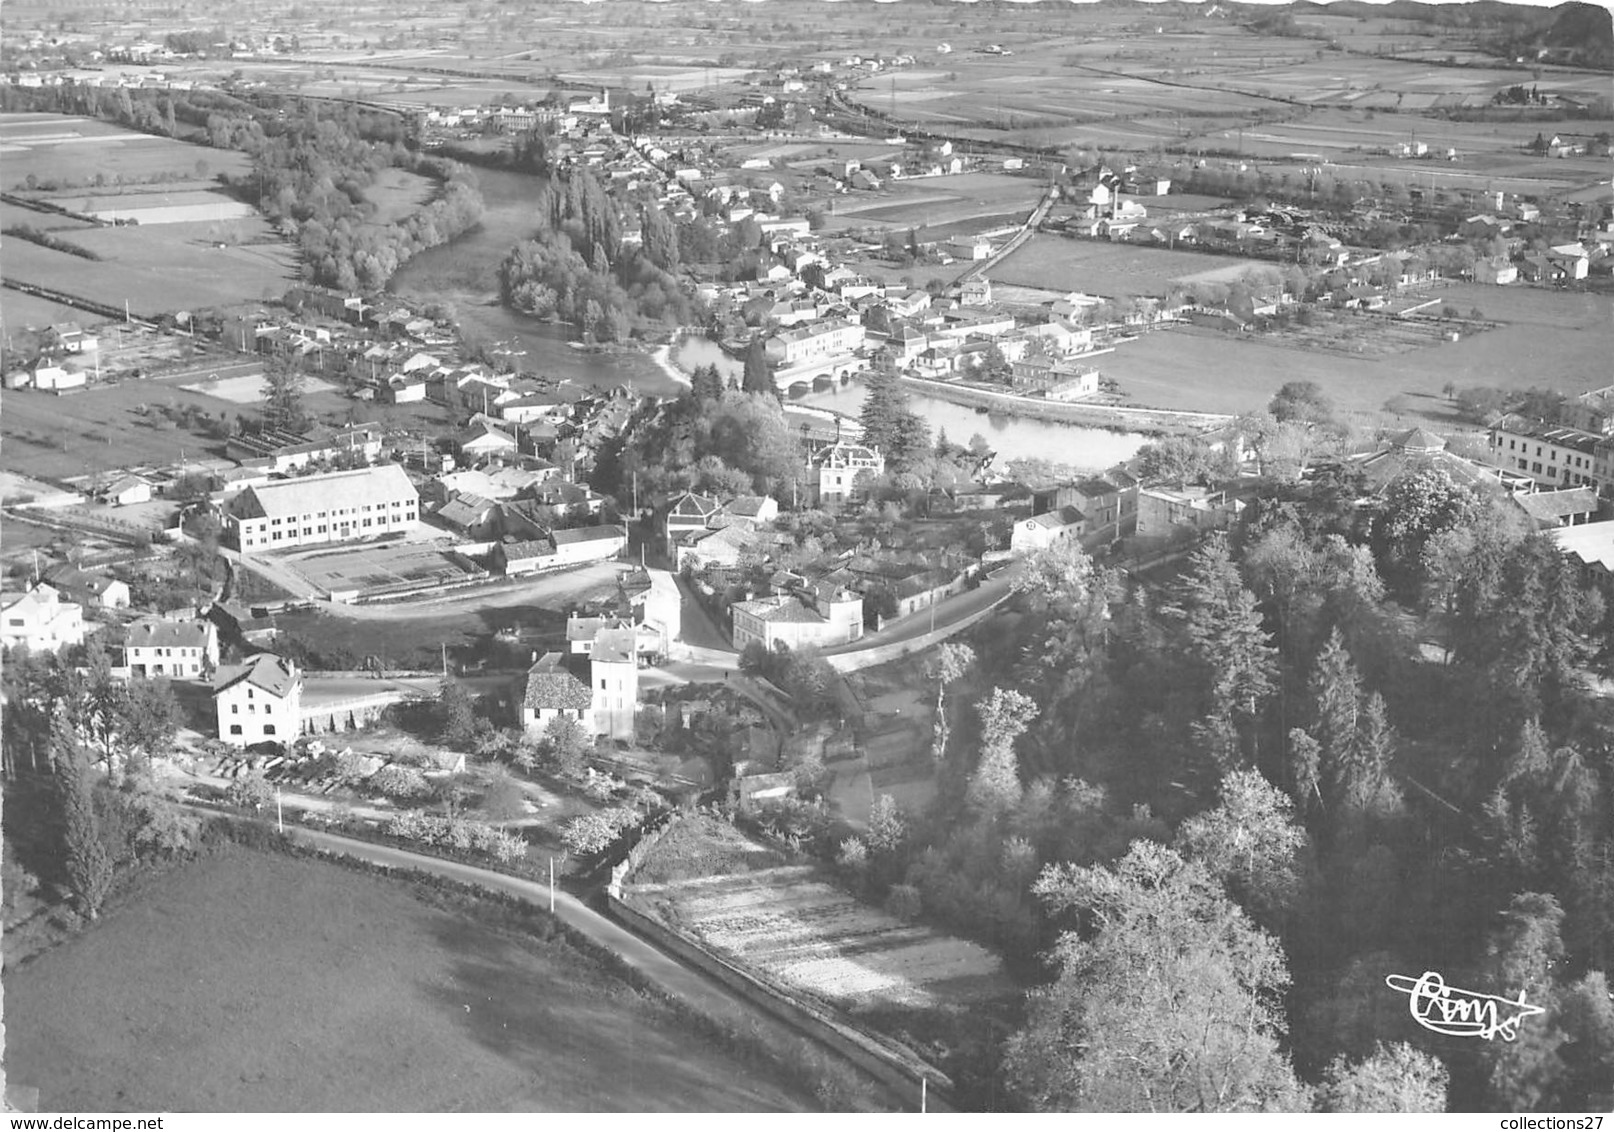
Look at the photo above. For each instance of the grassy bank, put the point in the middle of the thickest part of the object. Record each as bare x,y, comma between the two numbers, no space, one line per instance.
254,981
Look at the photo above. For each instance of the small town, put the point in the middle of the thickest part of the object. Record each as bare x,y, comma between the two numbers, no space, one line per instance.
668,557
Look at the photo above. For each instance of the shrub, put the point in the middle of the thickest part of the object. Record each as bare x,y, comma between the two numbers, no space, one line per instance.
399,782
250,791
903,902
592,833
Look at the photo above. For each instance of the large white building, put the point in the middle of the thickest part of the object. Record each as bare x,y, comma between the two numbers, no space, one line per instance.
260,701
814,342
339,507
1553,455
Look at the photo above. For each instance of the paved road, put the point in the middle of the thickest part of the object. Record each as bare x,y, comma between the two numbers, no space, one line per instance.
948,612
677,980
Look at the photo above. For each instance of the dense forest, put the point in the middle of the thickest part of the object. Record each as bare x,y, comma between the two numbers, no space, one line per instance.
1340,744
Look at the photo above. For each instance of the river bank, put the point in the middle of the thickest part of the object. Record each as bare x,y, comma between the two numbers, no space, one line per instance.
1111,418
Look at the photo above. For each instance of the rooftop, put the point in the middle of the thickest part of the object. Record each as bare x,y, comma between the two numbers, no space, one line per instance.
274,674
550,686
284,498
157,633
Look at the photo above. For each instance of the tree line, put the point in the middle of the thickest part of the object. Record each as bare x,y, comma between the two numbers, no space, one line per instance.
1344,743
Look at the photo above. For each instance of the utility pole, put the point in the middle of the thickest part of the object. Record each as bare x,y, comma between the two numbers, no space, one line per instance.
551,886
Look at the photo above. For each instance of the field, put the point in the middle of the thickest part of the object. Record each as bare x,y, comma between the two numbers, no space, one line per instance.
249,390
154,272
970,201
1100,267
254,982
75,151
1213,372
95,430
19,311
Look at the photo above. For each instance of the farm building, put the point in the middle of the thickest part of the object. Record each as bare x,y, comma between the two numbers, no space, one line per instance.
125,491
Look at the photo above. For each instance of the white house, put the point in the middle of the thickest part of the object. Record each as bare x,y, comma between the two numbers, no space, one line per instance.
551,693
614,682
1042,531
833,617
127,490
259,701
42,621
187,649
839,467
588,544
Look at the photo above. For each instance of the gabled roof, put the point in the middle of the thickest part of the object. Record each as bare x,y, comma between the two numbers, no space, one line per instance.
464,509
69,576
551,687
273,674
778,610
157,633
1064,517
692,506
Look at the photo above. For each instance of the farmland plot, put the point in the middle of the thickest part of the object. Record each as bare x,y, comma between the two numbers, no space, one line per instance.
787,923
1117,269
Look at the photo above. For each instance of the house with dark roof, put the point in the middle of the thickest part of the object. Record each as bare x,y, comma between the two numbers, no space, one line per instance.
552,692
259,701
513,556
157,647
690,512
470,516
87,587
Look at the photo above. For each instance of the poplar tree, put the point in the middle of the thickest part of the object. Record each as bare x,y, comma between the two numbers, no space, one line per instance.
89,869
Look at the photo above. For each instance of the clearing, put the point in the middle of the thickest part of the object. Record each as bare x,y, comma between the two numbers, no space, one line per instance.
253,982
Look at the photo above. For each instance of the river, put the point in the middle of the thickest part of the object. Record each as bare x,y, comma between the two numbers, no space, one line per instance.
465,272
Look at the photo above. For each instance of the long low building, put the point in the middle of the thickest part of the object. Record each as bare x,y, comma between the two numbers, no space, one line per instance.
311,510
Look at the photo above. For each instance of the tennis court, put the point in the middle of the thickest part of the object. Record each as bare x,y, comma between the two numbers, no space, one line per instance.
357,572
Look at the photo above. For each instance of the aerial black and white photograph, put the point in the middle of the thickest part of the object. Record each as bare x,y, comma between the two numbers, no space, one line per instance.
839,556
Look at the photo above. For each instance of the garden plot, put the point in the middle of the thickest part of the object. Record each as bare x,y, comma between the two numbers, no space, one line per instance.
788,924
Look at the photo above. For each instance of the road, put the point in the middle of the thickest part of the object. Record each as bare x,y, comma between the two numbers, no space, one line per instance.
948,612
680,982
